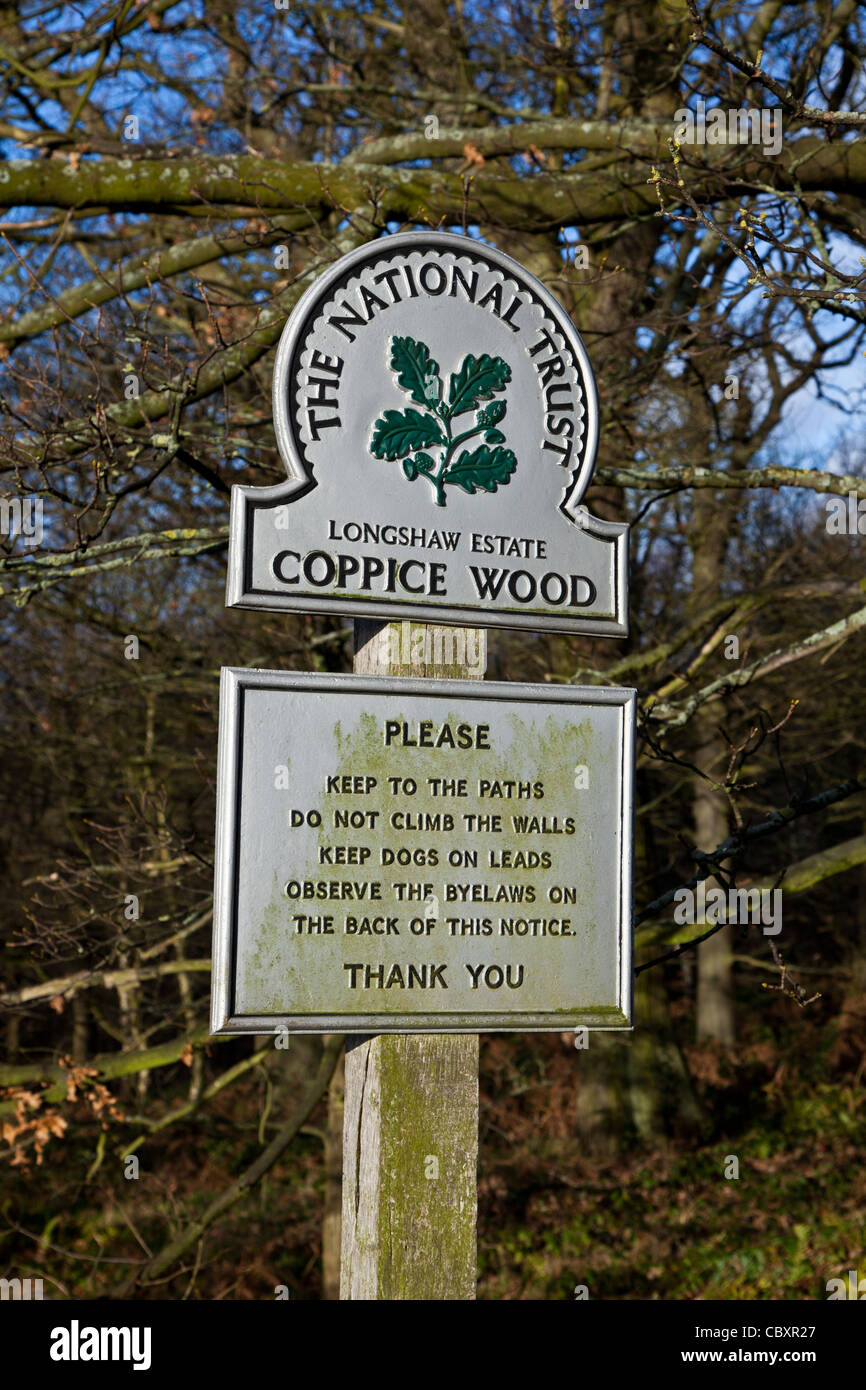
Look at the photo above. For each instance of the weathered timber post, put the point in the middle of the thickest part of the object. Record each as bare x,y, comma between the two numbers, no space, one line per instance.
410,1137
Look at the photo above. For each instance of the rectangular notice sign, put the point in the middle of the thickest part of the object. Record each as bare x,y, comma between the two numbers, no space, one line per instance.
421,855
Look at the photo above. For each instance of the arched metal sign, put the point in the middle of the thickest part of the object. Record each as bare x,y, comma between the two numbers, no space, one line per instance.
436,413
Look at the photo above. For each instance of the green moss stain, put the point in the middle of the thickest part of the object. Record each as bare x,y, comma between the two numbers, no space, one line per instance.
429,1111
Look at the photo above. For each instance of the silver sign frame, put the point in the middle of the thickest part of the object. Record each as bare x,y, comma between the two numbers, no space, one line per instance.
239,722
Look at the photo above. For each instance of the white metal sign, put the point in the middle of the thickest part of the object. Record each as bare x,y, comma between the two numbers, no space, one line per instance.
437,416
421,855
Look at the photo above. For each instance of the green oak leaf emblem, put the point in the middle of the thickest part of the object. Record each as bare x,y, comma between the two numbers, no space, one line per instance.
407,434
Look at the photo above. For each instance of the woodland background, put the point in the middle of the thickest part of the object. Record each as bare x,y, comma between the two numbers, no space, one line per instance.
155,158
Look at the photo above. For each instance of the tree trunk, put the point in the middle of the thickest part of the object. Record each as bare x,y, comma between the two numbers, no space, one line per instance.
715,1002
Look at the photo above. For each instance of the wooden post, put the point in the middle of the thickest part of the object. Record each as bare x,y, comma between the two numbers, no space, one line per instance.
410,1137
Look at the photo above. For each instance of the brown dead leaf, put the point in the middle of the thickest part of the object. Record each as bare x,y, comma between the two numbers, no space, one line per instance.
58,1003
764,1165
472,154
31,1099
186,1055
